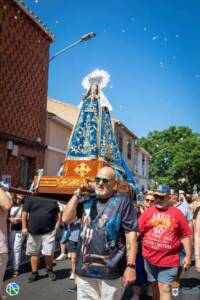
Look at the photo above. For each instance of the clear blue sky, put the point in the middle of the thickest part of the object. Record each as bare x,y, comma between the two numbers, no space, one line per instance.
151,48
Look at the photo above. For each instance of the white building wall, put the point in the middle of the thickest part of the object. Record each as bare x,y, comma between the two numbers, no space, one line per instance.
141,168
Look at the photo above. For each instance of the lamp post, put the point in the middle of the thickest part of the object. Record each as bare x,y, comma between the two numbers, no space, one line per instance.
170,146
154,154
84,38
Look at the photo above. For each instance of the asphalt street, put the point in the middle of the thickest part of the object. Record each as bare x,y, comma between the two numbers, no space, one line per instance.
45,289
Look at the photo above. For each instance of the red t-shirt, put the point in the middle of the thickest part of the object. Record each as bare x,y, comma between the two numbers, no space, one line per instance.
162,233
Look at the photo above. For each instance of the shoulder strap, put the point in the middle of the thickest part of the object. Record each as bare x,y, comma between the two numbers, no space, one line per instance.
16,212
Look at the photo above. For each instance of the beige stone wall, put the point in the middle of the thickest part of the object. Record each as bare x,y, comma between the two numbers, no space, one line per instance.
53,161
67,112
57,138
138,162
58,135
127,138
120,131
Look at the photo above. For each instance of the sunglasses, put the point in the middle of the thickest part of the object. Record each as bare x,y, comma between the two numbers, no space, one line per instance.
101,179
149,200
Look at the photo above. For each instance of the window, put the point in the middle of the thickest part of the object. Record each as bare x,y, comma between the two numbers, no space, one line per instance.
120,142
136,161
143,165
129,149
27,170
136,158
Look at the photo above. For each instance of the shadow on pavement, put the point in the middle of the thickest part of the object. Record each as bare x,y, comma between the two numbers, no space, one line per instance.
62,273
190,282
26,268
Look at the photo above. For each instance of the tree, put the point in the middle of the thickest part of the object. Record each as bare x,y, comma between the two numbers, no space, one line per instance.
175,157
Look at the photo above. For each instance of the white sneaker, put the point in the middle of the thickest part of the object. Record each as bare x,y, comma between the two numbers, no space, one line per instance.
62,256
68,255
72,277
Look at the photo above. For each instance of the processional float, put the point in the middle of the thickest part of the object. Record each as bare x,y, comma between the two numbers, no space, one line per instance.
92,145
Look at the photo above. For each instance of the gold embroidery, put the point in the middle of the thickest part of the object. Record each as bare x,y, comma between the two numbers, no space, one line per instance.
82,169
70,182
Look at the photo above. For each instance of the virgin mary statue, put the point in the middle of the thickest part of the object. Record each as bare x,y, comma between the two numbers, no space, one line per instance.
93,136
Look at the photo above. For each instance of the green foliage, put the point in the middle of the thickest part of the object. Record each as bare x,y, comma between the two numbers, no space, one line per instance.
175,157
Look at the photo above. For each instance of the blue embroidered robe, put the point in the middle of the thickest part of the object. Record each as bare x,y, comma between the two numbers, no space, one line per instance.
93,138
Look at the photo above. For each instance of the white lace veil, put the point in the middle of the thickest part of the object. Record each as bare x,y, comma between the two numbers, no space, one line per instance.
101,78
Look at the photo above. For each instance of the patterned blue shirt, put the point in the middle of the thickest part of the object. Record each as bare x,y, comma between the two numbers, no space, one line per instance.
101,246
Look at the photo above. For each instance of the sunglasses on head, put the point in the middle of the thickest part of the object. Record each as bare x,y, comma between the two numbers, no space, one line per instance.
149,200
101,179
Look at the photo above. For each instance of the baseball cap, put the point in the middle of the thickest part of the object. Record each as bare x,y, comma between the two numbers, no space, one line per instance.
162,190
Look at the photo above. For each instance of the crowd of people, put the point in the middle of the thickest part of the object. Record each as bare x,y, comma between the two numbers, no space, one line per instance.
115,243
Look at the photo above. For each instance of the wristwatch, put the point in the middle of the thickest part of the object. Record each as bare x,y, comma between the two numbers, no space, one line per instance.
132,266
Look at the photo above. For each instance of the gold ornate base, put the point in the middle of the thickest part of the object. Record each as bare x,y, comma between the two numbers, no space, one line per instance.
58,184
75,173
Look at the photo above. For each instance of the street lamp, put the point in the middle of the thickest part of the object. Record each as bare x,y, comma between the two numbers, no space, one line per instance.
154,154
84,38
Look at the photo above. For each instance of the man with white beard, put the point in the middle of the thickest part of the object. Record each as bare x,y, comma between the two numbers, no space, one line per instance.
107,243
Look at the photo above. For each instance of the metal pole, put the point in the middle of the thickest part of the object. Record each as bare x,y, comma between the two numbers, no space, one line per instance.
154,154
84,38
65,49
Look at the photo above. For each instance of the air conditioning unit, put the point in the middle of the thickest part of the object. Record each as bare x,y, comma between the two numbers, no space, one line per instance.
6,180
15,150
9,145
